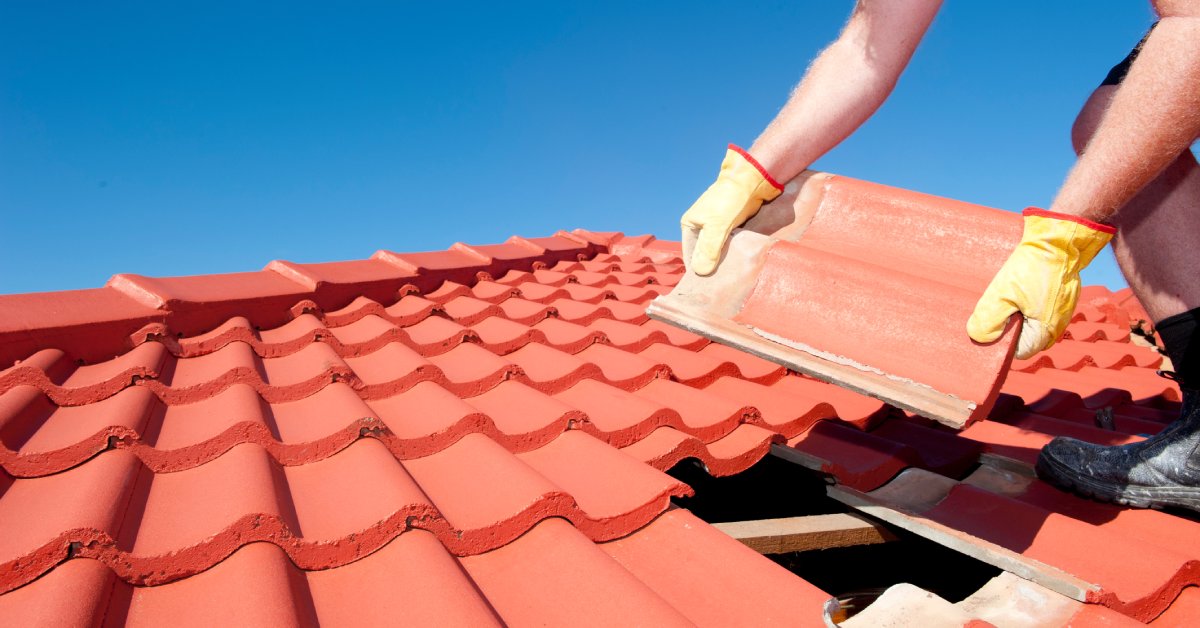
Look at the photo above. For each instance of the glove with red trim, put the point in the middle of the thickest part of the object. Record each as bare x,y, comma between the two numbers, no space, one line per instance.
1040,280
741,188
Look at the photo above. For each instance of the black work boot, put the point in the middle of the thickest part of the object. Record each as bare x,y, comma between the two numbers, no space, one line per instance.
1161,471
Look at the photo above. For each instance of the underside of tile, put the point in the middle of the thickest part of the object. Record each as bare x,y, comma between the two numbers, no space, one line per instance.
1006,600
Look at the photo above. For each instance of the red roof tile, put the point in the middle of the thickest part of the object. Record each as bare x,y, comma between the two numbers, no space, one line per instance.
865,285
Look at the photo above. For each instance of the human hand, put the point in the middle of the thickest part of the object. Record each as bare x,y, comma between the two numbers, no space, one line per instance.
741,188
1040,280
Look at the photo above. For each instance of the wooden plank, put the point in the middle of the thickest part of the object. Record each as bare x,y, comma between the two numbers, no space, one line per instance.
800,534
901,503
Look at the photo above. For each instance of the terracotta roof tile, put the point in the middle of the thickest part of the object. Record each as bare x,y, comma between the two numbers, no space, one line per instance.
1134,574
707,578
727,455
849,406
787,414
857,459
584,313
704,415
578,581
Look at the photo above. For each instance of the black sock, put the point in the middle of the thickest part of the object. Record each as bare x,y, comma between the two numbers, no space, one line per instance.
1178,334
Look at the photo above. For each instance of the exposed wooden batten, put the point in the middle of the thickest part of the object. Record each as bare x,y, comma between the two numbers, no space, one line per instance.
799,534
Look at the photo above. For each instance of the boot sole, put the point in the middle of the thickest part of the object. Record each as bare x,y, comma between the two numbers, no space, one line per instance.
1065,478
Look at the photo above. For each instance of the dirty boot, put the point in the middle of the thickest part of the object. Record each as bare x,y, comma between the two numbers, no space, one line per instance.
1161,471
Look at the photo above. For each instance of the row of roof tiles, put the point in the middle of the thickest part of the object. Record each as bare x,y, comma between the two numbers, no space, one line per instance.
675,571
94,324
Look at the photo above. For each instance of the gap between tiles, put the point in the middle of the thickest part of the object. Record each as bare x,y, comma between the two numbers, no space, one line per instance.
780,495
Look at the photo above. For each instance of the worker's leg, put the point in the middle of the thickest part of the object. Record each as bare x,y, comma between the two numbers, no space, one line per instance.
1158,232
1156,247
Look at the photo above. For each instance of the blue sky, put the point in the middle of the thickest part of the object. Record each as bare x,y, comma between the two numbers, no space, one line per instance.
178,139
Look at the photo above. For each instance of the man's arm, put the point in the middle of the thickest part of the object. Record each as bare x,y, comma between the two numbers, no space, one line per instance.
845,85
1154,116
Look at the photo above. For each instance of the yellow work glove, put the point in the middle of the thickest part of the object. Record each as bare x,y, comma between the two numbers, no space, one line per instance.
1040,280
741,188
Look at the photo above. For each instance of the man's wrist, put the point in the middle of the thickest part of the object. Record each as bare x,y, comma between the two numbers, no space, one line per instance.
757,166
1090,224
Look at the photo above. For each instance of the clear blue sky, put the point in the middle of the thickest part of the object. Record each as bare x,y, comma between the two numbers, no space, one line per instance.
173,139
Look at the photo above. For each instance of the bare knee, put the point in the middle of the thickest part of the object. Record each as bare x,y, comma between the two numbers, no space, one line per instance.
1090,115
1177,8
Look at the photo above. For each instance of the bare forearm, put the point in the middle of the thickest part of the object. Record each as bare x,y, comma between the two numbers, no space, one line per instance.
845,85
823,110
1154,116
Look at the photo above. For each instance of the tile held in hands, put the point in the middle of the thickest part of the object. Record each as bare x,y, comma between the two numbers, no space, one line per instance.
865,286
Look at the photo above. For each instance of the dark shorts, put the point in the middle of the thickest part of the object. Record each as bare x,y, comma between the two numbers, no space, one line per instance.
1117,74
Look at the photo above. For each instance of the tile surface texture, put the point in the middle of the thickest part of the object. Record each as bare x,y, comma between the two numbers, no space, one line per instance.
480,435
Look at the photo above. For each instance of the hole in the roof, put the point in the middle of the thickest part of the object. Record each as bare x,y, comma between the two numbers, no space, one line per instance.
771,489
1141,329
858,575
775,489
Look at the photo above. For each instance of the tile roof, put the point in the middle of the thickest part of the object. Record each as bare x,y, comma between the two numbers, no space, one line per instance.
480,435
490,423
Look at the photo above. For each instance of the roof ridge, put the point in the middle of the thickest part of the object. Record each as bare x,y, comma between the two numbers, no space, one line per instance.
96,323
